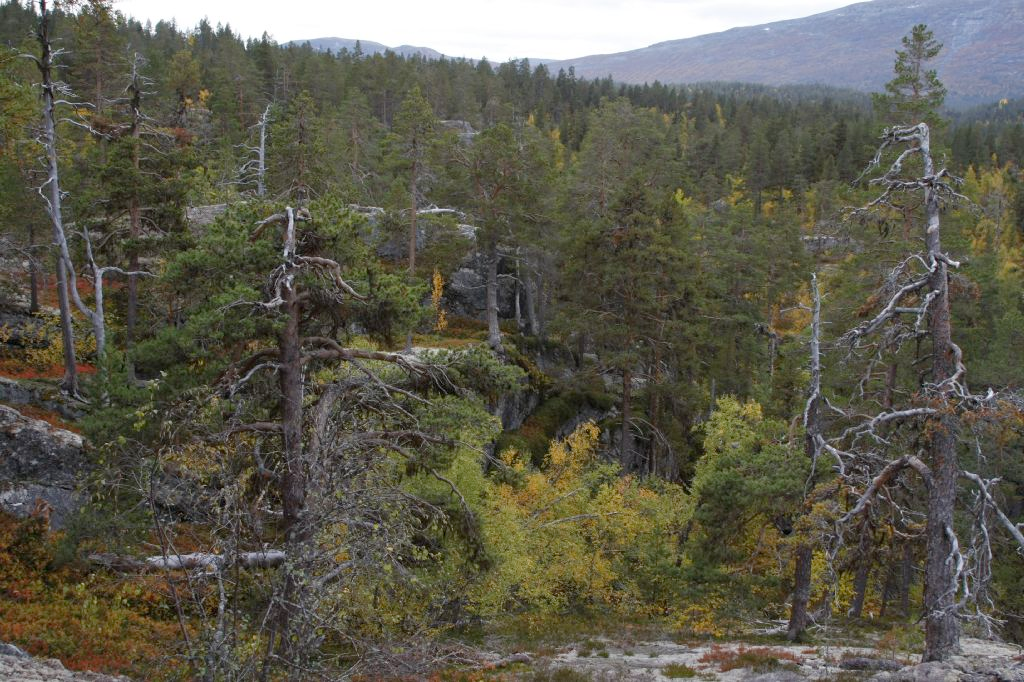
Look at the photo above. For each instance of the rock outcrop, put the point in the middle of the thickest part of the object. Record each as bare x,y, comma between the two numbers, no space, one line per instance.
979,661
39,463
18,668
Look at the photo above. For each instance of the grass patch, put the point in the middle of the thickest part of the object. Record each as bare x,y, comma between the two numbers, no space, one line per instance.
678,671
559,675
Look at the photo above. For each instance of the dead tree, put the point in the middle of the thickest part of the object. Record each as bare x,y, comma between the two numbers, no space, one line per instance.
914,306
799,619
254,170
52,94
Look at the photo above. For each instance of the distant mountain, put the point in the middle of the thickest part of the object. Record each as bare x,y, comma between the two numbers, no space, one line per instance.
367,46
853,47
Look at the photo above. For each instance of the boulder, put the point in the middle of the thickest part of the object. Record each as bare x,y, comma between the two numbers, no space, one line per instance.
39,463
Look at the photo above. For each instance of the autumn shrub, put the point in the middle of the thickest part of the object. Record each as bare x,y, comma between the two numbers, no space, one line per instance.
88,621
758,659
570,534
40,352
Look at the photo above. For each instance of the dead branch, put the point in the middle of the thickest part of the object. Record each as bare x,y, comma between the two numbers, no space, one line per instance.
983,487
883,478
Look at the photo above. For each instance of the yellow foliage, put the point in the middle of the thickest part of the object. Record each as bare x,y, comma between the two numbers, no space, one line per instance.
704,618
436,292
564,535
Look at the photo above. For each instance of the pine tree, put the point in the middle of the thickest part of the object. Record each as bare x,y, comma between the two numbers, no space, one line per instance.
915,94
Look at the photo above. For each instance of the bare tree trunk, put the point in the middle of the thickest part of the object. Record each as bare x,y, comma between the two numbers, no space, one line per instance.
261,159
942,630
798,617
69,384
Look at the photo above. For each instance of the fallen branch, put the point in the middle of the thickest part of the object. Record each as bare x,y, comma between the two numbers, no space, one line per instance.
268,558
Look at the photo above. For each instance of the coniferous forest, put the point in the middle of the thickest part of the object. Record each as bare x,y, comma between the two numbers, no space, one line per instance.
339,365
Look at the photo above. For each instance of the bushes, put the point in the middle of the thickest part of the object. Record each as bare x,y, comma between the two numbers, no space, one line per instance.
90,622
573,533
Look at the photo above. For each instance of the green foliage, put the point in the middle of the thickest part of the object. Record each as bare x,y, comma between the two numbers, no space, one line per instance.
749,474
915,94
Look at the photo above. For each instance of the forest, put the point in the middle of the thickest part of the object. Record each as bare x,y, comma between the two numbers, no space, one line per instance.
377,362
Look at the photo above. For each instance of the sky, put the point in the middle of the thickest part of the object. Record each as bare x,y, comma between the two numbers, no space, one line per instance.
497,29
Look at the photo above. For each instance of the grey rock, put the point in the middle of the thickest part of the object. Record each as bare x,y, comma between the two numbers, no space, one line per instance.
202,216
20,499
865,663
11,650
514,408
466,291
39,394
776,676
39,462
17,668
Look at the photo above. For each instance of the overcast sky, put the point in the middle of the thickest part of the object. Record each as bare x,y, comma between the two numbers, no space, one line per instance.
497,29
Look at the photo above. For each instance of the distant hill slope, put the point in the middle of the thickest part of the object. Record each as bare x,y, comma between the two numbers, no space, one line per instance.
852,47
367,46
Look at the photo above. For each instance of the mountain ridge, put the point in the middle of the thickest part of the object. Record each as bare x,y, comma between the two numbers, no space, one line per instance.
851,47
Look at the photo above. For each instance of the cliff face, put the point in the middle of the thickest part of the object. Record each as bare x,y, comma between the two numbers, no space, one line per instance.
852,47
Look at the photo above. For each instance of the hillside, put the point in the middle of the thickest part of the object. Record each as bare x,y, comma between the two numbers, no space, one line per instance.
849,47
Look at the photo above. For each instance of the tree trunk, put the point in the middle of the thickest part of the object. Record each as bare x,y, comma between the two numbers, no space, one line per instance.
293,482
33,271
518,295
798,618
412,238
134,214
906,578
530,291
69,384
942,630
493,330
860,579
626,445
